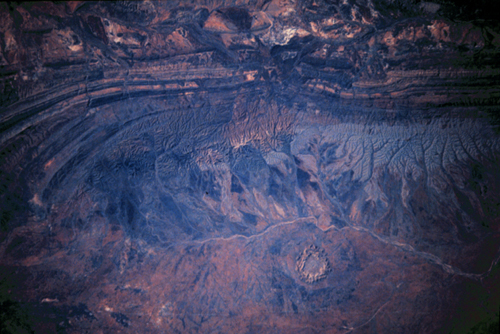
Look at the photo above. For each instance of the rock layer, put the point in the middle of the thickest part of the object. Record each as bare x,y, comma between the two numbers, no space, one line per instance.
249,166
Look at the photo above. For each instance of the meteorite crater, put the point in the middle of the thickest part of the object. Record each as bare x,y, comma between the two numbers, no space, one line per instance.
312,264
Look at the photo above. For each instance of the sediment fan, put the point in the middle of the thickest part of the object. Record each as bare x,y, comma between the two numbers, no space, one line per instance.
249,167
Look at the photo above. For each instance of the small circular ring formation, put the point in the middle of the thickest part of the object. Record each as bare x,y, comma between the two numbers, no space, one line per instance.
312,264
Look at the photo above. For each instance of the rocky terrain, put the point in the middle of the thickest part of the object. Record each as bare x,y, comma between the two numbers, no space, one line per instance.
250,166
